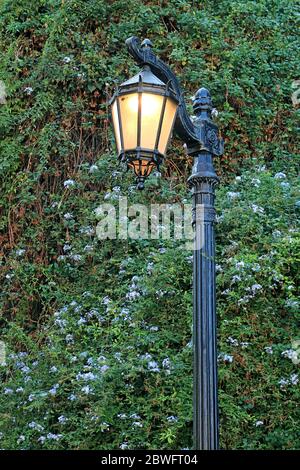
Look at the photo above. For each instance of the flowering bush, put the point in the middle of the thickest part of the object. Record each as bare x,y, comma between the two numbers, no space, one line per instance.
111,367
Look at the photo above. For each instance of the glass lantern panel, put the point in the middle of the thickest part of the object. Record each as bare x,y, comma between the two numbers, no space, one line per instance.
129,118
150,117
167,125
146,168
142,167
116,124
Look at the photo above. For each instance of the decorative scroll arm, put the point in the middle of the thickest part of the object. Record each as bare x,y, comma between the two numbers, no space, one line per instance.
143,54
200,134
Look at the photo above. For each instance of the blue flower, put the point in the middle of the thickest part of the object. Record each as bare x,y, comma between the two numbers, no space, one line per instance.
54,389
172,419
62,419
72,397
153,366
87,389
69,183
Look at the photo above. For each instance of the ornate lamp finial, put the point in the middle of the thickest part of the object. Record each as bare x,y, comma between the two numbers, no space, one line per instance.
146,44
202,101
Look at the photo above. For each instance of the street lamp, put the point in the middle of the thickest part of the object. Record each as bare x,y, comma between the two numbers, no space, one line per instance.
143,114
144,111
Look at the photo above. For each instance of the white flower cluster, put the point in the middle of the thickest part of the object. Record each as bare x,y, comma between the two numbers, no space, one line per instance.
269,350
53,390
261,168
292,380
93,168
276,234
255,288
137,423
255,182
87,230
69,339
69,184
114,194
257,209
252,291
233,195
124,445
124,265
172,419
51,437
28,90
150,267
279,176
234,342
87,390
88,248
36,426
239,265
258,423
153,366
62,419
68,216
166,363
20,252
69,254
72,397
292,355
86,376
106,300
62,318
225,357
134,290
75,257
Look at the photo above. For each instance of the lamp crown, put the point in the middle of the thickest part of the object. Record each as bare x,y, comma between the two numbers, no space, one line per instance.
144,76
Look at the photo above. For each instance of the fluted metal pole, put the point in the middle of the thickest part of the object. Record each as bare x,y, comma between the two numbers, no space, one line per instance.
203,181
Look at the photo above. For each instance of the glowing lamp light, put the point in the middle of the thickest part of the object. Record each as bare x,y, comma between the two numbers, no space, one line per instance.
143,113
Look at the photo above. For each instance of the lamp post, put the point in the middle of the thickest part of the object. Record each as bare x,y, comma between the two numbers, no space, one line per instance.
145,109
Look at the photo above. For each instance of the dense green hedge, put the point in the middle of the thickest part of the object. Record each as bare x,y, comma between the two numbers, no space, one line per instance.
88,365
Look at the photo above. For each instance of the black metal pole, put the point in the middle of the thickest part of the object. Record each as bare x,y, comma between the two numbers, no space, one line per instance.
202,141
203,181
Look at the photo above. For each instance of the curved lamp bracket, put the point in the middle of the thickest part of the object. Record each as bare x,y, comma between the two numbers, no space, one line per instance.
198,135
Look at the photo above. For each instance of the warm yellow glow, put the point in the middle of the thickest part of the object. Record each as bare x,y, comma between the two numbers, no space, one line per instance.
142,167
150,104
131,103
129,113
151,112
167,125
126,121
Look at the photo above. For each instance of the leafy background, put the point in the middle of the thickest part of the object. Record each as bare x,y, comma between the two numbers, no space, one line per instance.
98,334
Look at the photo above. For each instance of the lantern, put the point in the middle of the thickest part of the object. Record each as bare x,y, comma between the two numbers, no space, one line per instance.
143,114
